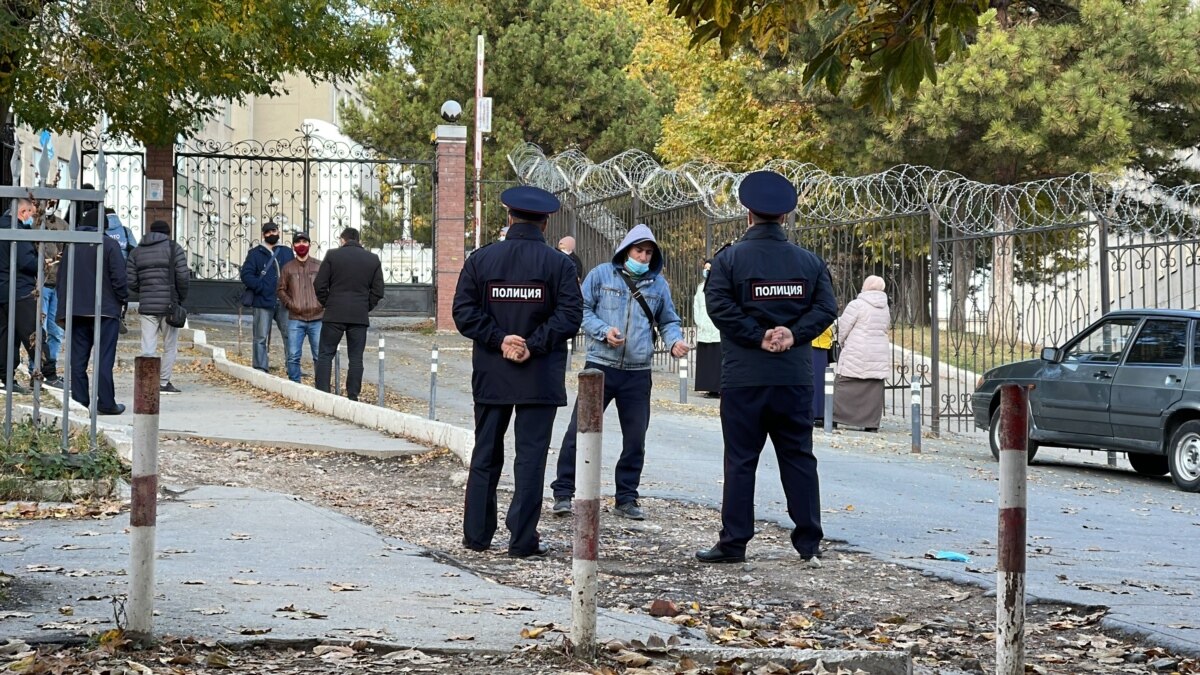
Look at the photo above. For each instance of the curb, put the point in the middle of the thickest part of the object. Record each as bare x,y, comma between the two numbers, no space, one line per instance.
876,663
428,432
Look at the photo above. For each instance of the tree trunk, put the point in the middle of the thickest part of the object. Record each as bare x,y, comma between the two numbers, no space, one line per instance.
960,274
1002,312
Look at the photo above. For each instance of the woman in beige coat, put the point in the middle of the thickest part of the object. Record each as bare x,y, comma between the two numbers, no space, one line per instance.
866,358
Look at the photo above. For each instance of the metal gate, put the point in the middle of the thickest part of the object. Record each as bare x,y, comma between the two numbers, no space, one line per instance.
318,182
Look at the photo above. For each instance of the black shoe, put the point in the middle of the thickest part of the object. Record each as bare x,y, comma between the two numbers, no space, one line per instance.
120,409
631,510
871,430
562,506
718,555
122,328
541,550
169,388
811,561
474,547
55,382
712,394
17,388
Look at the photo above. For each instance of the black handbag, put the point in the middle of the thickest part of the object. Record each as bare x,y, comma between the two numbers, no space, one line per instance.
177,315
835,350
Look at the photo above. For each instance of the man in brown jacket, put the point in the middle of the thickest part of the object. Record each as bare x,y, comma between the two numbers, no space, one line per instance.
295,292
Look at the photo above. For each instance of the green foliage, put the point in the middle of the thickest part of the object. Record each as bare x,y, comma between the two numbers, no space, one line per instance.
554,69
157,68
34,453
895,45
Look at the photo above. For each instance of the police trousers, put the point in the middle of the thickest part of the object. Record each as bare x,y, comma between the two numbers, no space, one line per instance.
749,415
533,427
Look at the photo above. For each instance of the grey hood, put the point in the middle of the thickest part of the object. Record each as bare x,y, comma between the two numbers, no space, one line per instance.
639,233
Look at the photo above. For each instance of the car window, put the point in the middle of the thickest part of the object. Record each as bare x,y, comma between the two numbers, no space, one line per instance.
1160,342
1104,343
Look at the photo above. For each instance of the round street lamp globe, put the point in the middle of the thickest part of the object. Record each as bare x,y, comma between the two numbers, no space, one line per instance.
451,111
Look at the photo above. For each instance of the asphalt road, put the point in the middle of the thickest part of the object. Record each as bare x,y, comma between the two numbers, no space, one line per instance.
1098,535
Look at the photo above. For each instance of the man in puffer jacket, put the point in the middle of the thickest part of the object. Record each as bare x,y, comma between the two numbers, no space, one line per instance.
157,271
621,344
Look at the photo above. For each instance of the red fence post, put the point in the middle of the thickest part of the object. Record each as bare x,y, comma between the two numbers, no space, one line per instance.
1010,546
586,510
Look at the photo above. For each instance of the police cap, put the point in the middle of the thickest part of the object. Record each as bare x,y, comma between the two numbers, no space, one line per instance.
527,199
767,193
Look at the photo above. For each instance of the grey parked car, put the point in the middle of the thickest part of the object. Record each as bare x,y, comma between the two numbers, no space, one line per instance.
1129,383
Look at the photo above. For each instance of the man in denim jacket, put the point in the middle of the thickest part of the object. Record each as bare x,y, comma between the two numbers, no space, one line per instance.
620,342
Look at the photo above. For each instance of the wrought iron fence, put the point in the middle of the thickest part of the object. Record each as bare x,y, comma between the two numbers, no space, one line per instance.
315,183
26,319
978,275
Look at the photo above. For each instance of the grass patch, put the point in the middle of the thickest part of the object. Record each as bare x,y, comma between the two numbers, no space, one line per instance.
33,453
973,352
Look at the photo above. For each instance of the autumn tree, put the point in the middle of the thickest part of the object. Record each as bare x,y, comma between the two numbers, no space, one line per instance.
554,69
158,69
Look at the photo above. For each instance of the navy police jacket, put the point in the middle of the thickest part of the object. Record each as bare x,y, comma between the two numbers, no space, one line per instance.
519,286
761,282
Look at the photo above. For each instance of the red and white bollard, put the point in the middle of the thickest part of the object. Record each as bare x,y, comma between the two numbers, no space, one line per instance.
586,509
144,502
1011,541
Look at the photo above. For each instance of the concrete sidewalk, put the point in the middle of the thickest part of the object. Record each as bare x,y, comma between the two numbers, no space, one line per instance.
238,565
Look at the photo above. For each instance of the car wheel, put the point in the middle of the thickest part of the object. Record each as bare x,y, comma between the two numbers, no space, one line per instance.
1148,465
1184,456
994,437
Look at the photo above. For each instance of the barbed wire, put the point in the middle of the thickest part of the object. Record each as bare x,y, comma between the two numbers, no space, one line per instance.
1127,203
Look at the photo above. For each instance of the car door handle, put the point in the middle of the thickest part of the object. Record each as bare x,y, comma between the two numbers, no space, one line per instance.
1102,375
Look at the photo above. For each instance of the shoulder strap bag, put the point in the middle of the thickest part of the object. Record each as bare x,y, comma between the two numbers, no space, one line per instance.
637,295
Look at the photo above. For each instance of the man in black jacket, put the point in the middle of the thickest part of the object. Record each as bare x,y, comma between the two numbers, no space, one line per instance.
158,272
519,301
348,285
25,306
114,292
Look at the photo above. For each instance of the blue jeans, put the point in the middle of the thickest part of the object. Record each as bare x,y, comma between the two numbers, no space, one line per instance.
263,318
297,331
54,333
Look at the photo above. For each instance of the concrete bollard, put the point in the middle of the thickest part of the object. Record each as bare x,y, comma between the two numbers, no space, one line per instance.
379,386
683,379
1010,546
916,417
433,365
144,499
586,510
829,399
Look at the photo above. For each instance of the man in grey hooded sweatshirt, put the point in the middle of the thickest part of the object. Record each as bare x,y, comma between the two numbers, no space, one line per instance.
620,342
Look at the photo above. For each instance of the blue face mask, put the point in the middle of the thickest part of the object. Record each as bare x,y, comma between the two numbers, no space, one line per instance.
28,222
704,274
636,268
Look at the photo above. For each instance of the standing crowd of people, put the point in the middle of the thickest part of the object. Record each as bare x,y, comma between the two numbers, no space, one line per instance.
765,316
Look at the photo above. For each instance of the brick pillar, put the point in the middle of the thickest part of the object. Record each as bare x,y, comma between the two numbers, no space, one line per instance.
160,165
450,221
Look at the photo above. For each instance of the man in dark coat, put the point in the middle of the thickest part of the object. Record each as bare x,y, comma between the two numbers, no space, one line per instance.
519,301
80,260
158,272
260,274
770,299
24,305
348,285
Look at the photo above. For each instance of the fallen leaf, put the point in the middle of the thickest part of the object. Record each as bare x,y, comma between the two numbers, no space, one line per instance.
240,536
66,610
244,582
338,588
634,659
533,633
139,668
254,631
211,611
42,568
216,660
194,582
460,638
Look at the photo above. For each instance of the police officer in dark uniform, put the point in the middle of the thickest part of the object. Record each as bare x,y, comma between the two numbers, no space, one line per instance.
769,298
519,301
